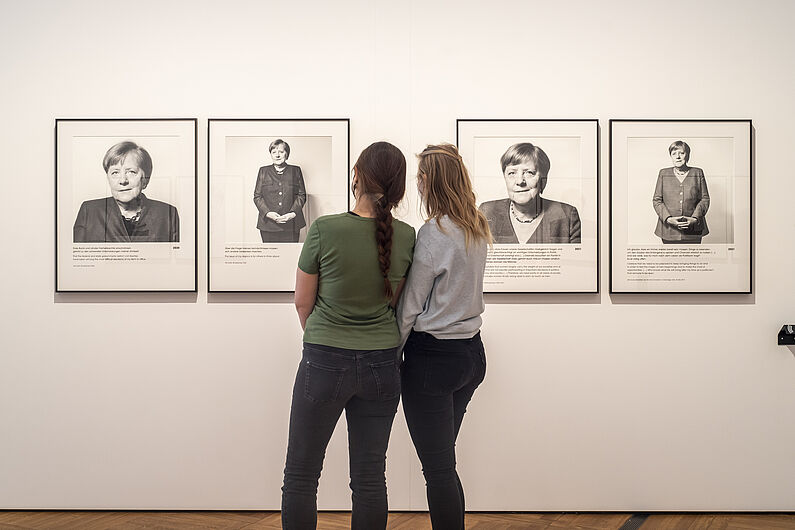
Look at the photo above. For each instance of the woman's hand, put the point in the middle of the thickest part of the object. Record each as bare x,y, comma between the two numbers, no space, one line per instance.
681,222
673,221
284,218
273,216
688,223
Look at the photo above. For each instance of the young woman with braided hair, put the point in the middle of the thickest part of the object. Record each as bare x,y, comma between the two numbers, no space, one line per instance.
349,277
439,318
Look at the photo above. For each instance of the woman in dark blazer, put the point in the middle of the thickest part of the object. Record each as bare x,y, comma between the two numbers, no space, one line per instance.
127,215
681,199
280,196
526,217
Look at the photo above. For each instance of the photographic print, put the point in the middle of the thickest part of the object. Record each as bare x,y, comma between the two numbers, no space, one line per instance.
537,183
269,179
125,205
680,206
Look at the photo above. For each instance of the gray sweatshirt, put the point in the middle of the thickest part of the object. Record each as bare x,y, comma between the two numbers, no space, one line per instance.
443,294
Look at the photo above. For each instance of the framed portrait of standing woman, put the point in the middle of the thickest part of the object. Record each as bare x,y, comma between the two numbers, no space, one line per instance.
125,204
680,206
269,179
537,183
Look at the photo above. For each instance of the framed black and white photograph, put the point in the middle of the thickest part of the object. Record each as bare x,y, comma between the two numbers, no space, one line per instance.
537,182
269,179
125,205
680,206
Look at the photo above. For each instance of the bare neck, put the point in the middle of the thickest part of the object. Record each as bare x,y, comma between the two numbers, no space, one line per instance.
364,207
530,209
130,208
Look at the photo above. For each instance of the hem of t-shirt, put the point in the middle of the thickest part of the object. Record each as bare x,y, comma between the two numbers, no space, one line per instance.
352,345
305,271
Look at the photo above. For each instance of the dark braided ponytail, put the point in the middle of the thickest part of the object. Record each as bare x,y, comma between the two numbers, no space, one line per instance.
381,170
383,238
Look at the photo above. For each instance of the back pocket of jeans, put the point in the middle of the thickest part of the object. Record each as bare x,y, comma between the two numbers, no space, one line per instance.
387,379
443,376
322,383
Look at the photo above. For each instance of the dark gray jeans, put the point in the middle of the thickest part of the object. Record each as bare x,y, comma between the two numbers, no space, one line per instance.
439,378
364,383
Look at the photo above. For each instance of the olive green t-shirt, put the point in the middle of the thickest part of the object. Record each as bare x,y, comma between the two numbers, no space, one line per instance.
351,310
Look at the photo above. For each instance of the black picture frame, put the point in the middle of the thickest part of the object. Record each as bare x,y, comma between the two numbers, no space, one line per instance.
239,260
99,254
550,261
714,254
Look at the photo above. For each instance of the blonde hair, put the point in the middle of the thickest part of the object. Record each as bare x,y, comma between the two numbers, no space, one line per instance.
447,190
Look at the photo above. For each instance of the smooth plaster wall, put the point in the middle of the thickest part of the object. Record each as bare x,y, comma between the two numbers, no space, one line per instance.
591,402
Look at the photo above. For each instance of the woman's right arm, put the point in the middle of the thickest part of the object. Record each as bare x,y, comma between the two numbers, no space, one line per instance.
259,197
307,274
305,295
658,201
79,228
417,288
259,200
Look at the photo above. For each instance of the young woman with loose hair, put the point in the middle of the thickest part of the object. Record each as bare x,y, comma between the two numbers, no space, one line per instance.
439,318
349,277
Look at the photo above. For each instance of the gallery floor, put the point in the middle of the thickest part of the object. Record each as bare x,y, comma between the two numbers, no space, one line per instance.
101,520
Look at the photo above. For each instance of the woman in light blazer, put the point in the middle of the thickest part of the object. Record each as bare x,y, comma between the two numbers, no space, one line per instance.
681,199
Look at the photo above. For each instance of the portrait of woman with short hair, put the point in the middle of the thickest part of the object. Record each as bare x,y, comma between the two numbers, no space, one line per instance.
280,195
525,216
128,215
681,199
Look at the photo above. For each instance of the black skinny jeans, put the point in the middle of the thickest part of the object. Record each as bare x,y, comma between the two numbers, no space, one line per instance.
364,383
439,378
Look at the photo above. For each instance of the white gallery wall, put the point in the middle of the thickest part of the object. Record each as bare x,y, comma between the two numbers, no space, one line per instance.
591,402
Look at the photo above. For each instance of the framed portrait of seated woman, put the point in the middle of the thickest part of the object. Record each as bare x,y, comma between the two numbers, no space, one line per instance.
681,206
268,180
125,205
537,183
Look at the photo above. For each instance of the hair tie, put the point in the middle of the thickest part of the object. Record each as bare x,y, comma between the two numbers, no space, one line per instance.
457,156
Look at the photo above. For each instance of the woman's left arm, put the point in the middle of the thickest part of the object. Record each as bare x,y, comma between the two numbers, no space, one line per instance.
703,205
305,294
575,229
174,228
300,194
396,296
